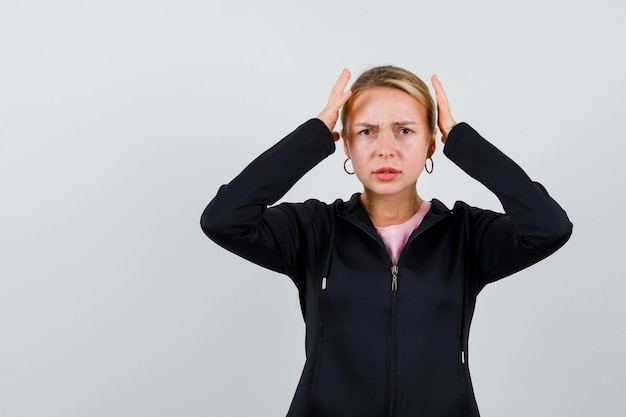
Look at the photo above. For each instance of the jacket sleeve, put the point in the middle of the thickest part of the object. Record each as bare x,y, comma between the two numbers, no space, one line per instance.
534,225
239,217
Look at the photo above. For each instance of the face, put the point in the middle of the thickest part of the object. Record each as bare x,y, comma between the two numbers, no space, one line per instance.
388,139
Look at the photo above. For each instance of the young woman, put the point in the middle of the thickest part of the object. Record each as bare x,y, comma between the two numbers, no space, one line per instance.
387,281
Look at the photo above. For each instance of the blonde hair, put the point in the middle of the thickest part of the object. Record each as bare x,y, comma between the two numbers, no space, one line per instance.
394,77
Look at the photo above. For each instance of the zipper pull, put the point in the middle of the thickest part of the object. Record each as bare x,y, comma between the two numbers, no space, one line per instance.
394,277
323,283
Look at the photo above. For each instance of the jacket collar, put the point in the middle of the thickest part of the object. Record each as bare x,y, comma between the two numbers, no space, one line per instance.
353,211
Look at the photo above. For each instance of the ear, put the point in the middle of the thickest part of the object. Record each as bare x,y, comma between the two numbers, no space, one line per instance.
346,148
432,144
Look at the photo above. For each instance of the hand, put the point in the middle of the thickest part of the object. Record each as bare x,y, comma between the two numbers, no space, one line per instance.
445,121
338,97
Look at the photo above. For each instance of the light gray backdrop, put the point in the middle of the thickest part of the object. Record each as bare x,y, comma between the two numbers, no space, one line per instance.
120,119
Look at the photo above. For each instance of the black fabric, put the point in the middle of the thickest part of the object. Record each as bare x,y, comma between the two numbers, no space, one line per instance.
372,349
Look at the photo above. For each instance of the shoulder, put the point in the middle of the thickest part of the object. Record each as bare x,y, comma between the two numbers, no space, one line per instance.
460,213
308,213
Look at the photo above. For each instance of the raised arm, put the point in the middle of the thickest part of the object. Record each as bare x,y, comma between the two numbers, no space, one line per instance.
239,217
534,225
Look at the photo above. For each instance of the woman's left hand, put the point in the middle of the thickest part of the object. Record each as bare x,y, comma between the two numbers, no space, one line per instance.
445,121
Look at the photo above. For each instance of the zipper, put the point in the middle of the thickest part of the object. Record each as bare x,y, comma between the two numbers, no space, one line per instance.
393,335
394,278
393,342
391,394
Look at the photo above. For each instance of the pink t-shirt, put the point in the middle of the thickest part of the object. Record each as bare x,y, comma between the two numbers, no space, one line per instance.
396,235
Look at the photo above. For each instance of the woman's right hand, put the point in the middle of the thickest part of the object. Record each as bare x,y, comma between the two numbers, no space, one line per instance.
338,97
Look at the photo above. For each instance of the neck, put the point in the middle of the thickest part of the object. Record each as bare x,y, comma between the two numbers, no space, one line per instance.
389,210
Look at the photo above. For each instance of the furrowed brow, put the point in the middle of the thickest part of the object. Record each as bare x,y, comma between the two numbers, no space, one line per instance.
405,123
365,125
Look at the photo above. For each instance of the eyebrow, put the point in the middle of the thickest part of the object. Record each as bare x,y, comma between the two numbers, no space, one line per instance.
398,123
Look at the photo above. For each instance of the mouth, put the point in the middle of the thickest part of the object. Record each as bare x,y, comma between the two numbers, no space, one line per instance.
386,170
386,173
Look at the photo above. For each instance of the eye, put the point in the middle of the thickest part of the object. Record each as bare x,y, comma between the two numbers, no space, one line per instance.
405,131
365,132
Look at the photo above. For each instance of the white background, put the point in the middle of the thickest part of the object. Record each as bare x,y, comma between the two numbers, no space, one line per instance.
120,119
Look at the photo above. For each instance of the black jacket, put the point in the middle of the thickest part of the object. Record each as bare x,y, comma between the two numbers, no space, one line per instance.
383,339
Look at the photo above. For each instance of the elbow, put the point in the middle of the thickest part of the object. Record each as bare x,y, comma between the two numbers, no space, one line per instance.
214,219
206,225
559,233
562,227
564,232
548,237
221,225
211,224
559,228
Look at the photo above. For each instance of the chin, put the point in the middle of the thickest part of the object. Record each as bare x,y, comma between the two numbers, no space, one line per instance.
387,189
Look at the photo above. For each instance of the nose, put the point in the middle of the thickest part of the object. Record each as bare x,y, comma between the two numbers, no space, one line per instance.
386,144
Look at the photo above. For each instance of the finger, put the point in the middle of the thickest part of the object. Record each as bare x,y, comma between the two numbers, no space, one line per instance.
341,83
339,95
443,106
445,121
439,92
437,84
342,100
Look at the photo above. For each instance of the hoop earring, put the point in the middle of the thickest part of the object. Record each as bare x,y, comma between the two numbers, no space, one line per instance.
345,168
432,165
